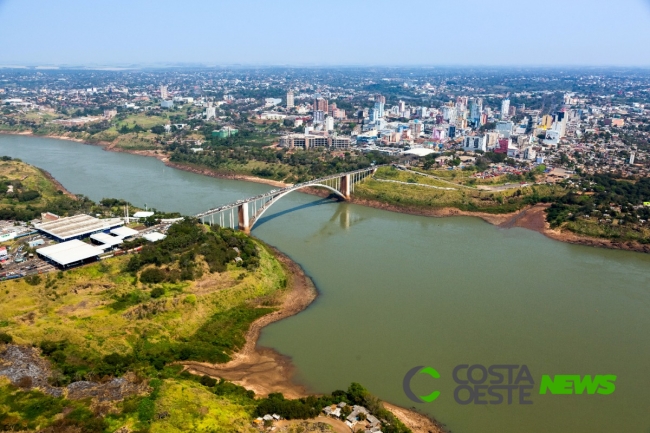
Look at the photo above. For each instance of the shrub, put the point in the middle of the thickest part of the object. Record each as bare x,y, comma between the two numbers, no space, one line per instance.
157,292
152,276
33,280
6,338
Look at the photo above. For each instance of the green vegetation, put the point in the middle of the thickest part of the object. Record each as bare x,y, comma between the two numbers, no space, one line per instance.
415,194
100,321
30,410
119,316
605,207
311,406
185,241
278,164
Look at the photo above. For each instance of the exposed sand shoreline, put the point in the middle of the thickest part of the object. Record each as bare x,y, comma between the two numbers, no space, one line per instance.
264,370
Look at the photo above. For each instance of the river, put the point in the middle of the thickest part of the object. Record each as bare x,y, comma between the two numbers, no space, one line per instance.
399,291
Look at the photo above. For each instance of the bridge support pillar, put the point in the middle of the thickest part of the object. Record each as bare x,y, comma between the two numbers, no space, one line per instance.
244,219
345,186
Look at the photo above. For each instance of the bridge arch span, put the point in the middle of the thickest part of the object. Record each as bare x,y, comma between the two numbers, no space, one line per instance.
277,198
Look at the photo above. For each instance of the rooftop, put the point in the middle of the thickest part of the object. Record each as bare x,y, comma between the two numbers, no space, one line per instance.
69,252
78,225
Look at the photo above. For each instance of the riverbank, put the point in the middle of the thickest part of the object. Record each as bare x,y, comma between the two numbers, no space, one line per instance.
532,217
56,183
259,369
162,157
264,370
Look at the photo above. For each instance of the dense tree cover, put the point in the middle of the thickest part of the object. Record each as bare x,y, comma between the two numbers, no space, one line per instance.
312,406
184,242
300,165
608,197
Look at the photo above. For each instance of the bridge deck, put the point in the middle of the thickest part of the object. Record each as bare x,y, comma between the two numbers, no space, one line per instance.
276,192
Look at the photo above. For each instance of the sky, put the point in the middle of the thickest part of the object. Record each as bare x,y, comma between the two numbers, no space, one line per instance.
325,33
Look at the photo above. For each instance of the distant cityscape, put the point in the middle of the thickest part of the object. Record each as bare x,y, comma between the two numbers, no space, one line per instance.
592,122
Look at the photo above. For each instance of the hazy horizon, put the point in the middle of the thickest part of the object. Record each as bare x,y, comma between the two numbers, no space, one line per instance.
288,33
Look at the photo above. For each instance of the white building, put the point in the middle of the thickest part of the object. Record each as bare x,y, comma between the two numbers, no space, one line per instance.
272,115
272,102
329,124
290,103
474,143
163,92
210,111
308,141
529,153
167,104
552,138
505,108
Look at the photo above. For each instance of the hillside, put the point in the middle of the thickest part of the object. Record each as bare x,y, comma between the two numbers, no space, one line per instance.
132,317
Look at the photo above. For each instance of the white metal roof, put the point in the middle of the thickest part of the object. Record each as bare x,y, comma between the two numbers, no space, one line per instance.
154,236
78,225
142,214
124,232
70,252
419,151
107,240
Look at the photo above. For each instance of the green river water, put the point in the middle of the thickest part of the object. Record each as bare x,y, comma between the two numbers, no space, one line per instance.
398,291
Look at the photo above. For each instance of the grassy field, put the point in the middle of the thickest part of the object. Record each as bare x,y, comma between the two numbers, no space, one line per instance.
191,407
99,310
591,227
100,321
415,194
27,181
144,121
136,141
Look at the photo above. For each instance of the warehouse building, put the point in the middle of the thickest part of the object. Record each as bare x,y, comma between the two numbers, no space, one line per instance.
77,227
71,253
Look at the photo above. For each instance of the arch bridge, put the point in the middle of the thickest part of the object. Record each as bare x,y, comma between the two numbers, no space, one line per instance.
243,214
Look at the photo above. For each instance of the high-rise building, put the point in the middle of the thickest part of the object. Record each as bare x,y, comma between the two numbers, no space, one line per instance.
416,128
547,121
475,143
379,106
401,106
373,115
332,108
163,92
461,103
290,99
319,116
475,111
505,108
329,123
380,98
560,122
210,111
320,104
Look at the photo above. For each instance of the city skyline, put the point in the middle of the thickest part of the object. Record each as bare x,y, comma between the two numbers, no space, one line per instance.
256,33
